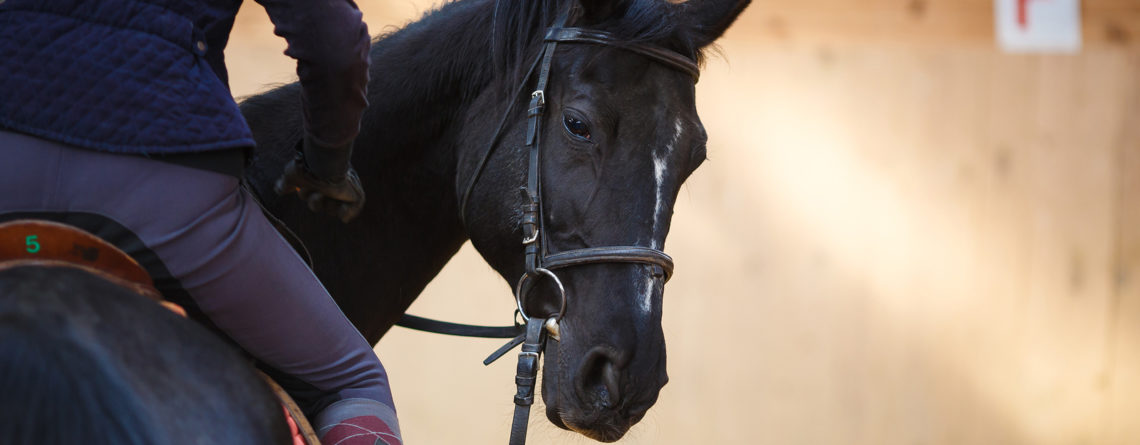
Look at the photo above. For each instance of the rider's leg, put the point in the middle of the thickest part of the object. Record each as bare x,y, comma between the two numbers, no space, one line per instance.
243,276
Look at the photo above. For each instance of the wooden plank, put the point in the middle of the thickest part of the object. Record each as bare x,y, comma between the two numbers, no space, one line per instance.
1122,373
1106,23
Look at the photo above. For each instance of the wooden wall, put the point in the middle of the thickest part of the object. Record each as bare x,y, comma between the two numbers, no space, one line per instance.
903,236
949,23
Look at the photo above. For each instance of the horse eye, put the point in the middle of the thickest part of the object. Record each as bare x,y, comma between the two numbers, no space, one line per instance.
576,127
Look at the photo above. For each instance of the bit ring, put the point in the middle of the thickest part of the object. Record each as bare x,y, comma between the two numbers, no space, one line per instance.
526,284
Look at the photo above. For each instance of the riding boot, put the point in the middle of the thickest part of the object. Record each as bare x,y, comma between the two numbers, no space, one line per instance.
358,422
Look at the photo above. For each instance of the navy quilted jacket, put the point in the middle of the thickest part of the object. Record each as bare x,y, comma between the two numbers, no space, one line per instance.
148,76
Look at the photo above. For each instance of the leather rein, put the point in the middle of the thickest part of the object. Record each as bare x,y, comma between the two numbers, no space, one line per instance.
534,331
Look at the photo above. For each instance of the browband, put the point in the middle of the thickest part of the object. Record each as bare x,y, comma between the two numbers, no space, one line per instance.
662,55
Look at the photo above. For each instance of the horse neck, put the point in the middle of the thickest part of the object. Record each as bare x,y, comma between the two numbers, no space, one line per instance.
423,79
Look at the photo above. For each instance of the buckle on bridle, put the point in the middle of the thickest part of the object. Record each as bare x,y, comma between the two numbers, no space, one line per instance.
532,237
529,220
537,105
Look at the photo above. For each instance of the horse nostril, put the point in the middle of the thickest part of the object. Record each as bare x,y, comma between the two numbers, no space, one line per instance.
600,378
610,378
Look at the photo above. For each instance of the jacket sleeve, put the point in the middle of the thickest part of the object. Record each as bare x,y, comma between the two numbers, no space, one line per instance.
330,42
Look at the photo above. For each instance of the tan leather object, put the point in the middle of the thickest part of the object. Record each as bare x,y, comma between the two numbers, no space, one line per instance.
29,242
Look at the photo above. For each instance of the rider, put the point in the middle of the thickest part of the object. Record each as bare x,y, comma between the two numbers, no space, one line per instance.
116,116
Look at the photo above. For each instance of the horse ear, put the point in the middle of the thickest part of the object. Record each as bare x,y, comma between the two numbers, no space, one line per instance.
712,17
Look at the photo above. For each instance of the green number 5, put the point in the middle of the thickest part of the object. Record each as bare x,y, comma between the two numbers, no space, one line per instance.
33,245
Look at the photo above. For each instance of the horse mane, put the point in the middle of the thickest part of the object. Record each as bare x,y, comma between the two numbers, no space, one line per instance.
58,391
518,28
84,360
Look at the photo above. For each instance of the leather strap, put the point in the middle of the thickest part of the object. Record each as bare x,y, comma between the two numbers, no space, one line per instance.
627,254
526,375
667,57
532,204
462,330
494,140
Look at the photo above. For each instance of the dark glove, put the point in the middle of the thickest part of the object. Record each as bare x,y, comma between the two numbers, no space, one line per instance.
341,197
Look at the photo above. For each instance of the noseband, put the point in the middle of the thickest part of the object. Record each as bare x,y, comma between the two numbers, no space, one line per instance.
539,262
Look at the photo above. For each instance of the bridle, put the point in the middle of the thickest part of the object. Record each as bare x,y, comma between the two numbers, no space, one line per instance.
539,262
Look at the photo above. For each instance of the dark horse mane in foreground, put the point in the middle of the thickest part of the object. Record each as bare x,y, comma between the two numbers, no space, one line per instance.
621,136
91,362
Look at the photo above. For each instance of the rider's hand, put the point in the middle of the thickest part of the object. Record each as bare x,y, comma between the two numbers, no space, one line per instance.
341,197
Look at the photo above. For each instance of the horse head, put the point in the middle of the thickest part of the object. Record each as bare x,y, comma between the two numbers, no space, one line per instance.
619,135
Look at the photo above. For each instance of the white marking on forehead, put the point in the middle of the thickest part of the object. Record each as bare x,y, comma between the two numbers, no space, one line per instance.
660,163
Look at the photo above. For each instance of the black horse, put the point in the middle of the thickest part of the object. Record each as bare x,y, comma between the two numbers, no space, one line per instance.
621,134
87,361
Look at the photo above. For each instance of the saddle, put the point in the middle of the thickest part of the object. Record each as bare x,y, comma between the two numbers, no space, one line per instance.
29,242
33,242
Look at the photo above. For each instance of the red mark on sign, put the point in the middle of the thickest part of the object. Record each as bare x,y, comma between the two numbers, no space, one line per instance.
1023,13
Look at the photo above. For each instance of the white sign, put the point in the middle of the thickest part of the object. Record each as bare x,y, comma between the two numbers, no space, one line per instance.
1038,25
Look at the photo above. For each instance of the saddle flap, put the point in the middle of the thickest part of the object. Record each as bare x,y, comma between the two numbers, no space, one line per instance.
47,243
